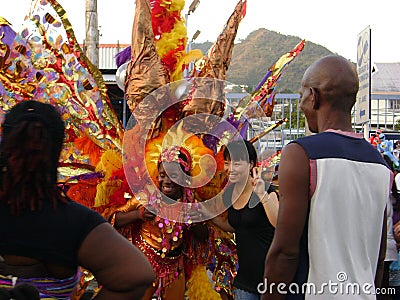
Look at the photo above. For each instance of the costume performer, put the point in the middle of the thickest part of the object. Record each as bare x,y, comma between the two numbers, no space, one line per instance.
165,238
147,71
386,147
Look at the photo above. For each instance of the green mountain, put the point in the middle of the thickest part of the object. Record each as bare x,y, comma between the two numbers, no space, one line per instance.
253,56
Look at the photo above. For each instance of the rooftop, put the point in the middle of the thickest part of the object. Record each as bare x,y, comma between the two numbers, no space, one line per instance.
386,78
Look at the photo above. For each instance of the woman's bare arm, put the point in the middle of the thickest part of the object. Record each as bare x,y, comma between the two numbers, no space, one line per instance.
118,266
222,222
271,206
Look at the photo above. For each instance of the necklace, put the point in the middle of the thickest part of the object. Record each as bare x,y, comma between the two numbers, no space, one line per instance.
170,231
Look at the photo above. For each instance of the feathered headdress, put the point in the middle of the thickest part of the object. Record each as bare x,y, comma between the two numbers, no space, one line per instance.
158,56
199,162
44,62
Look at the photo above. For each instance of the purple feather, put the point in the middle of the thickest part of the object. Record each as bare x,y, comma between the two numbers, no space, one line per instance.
231,126
87,176
211,142
264,80
8,35
123,56
243,131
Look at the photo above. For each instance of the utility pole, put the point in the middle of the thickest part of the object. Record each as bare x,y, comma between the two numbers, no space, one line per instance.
92,32
191,9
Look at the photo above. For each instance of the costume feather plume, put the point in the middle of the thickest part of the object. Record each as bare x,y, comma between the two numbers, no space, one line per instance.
264,95
199,286
214,66
44,62
217,62
145,72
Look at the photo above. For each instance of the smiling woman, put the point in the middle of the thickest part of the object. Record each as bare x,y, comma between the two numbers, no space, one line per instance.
156,223
171,179
252,214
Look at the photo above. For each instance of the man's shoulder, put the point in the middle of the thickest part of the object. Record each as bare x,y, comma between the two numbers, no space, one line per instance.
336,145
317,136
310,140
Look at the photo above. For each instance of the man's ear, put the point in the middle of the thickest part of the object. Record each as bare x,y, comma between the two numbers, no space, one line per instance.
316,97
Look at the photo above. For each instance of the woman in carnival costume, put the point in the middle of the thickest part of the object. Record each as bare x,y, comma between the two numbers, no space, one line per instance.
158,224
150,68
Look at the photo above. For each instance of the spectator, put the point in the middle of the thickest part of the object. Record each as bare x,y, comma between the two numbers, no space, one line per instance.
333,190
45,235
252,214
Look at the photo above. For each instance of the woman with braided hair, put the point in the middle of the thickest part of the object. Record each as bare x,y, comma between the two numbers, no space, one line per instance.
45,236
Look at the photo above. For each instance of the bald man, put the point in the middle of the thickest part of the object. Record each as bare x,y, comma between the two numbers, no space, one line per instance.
331,234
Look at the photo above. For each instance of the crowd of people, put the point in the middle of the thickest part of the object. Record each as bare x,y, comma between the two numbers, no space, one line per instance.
199,217
34,206
331,218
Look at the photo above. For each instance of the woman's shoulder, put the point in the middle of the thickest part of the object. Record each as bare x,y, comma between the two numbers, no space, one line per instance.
79,211
227,195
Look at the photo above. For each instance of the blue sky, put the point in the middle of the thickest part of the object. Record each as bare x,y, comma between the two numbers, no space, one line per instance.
334,25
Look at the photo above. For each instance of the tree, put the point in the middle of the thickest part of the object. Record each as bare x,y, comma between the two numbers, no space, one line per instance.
397,125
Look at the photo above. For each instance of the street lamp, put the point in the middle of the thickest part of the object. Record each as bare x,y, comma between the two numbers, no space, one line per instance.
191,9
189,47
195,35
193,6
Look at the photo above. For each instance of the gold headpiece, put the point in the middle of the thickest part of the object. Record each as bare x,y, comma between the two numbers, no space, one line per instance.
174,153
174,145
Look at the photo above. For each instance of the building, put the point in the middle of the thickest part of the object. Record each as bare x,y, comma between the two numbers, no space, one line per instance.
108,68
385,96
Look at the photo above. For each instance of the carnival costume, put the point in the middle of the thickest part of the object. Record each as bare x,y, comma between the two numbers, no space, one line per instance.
166,240
386,147
45,62
49,288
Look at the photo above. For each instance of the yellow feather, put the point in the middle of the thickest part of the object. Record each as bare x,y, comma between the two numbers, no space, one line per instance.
192,55
110,161
177,5
200,286
171,40
104,190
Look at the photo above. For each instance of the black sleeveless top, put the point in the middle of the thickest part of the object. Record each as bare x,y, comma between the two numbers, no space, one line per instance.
50,235
253,234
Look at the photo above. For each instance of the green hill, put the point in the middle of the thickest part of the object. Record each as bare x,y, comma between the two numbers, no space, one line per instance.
254,55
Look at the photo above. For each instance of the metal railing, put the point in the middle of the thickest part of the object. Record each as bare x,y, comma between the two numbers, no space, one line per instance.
287,106
385,115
